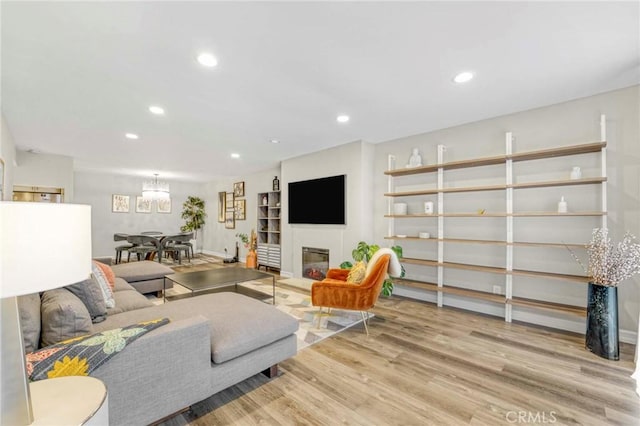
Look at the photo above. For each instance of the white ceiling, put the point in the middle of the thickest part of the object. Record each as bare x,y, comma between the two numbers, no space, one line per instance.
77,76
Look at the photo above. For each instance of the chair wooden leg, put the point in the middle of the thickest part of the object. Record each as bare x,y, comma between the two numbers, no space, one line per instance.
364,321
319,315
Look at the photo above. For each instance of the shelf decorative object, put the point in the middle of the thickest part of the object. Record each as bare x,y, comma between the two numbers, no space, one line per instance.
416,159
276,184
609,264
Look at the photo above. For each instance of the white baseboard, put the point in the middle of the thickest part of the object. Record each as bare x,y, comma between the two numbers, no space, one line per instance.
629,336
286,274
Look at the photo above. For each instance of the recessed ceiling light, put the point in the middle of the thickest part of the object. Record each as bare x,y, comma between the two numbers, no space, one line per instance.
156,110
463,77
235,155
275,141
207,60
342,118
131,136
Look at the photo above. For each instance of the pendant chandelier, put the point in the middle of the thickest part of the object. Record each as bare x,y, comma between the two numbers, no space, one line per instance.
155,190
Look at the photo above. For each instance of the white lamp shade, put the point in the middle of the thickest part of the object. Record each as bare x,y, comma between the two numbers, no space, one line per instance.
43,246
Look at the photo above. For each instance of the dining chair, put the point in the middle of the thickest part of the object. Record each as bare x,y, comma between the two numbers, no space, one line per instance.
121,248
175,244
144,245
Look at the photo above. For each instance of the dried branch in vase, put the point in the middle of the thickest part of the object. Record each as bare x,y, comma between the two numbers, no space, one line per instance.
610,264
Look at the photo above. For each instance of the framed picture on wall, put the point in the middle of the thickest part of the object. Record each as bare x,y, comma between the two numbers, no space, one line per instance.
229,207
222,197
120,203
143,205
239,209
163,206
238,189
229,219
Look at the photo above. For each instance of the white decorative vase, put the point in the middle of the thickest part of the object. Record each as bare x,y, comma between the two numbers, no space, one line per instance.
400,208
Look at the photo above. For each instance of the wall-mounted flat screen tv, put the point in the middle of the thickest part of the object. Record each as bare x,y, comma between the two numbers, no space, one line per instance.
318,201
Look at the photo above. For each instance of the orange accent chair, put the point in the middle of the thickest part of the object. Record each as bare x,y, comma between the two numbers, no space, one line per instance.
335,292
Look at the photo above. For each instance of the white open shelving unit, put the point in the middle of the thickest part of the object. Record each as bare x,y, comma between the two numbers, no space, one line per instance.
440,287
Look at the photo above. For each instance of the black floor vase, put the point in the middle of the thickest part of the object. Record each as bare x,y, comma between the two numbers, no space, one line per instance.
602,321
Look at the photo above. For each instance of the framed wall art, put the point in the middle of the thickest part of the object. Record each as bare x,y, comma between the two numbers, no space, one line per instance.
143,205
238,189
229,219
239,209
222,196
229,202
120,203
163,206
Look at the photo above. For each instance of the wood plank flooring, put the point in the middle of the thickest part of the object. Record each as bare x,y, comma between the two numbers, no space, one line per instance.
422,365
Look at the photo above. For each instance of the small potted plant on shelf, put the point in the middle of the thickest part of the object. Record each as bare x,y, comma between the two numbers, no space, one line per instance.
364,252
250,243
609,265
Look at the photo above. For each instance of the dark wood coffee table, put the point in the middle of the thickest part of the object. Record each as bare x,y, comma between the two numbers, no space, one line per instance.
213,279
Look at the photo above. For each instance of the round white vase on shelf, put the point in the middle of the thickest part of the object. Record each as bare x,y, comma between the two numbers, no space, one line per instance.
400,208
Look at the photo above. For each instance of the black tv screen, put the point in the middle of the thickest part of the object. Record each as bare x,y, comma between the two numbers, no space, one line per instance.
318,201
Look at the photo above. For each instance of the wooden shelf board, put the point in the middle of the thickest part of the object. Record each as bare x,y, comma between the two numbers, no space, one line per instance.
478,268
458,291
559,152
549,245
411,193
478,162
537,214
499,159
496,270
566,182
524,185
476,294
395,237
410,215
416,284
566,277
549,306
493,242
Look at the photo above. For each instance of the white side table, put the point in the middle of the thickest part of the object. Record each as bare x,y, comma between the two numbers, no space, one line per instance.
71,400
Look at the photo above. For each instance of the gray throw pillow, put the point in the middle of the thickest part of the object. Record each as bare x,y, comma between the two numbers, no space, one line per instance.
64,316
90,293
29,308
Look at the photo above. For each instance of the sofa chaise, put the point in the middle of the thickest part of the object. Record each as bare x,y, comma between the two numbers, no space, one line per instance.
212,342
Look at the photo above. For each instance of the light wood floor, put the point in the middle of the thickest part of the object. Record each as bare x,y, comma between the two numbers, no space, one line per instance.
422,365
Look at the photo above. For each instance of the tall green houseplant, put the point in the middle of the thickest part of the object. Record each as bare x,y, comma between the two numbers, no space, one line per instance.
193,213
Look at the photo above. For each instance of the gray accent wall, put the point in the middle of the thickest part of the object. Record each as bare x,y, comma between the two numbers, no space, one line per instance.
96,189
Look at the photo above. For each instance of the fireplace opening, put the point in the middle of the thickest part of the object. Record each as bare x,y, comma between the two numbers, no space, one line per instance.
315,263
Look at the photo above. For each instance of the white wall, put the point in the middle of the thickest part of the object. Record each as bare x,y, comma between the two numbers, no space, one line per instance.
217,237
354,160
569,123
45,170
96,189
8,155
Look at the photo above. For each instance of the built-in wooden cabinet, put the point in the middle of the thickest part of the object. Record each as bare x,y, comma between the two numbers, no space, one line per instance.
268,229
440,244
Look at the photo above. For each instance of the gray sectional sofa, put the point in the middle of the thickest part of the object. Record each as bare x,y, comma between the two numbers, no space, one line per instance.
212,342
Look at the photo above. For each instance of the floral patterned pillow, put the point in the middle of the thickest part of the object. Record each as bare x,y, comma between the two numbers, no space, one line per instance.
82,355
